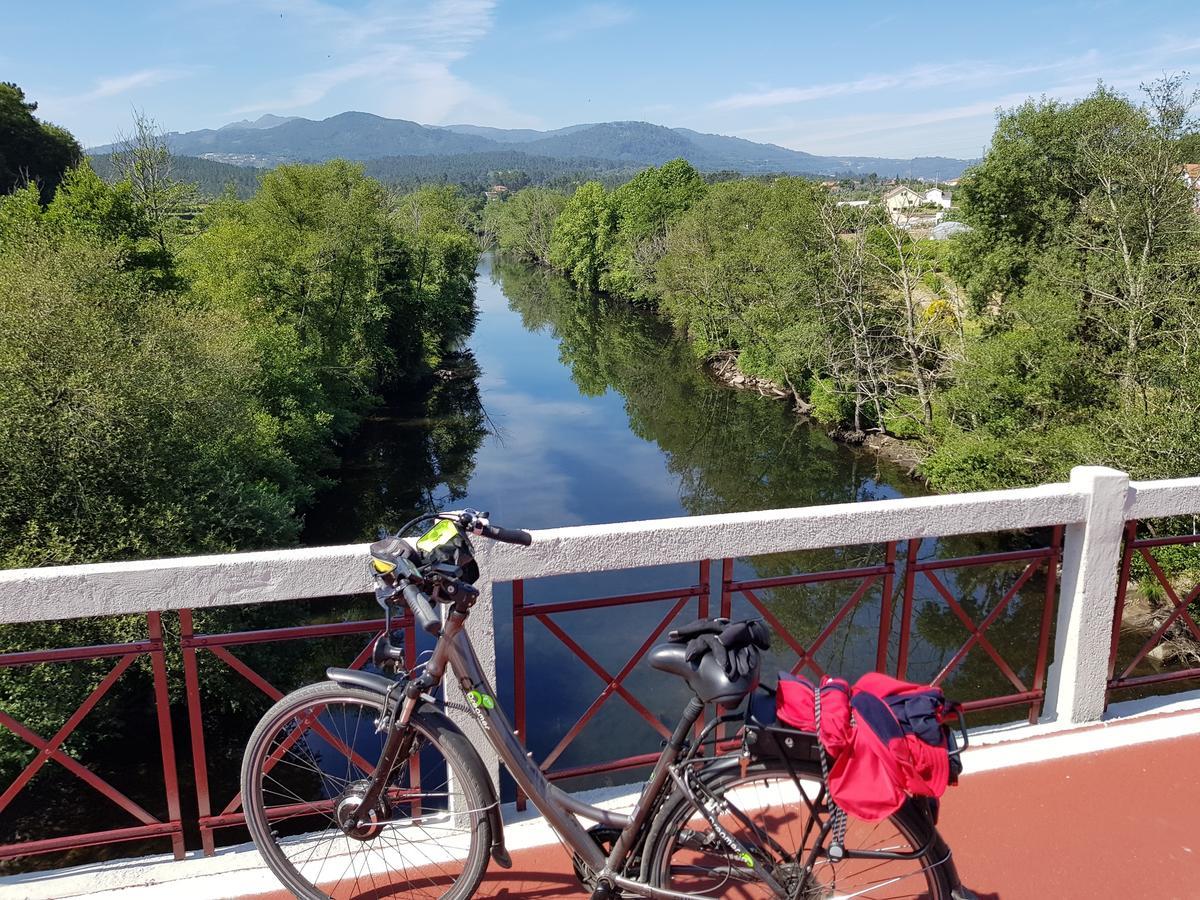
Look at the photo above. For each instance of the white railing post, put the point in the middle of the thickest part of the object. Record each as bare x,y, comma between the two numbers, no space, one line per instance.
481,627
1091,563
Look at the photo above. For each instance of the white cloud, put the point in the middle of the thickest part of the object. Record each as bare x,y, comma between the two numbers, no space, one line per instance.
593,17
403,53
910,79
116,85
897,134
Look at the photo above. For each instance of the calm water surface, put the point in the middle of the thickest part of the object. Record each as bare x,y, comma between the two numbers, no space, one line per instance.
589,411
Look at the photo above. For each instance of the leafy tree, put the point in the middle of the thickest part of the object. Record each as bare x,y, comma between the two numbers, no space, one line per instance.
31,151
124,425
582,235
301,262
741,271
644,208
1088,317
523,225
436,290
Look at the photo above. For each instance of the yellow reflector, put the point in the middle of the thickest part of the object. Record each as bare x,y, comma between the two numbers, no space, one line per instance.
382,567
441,533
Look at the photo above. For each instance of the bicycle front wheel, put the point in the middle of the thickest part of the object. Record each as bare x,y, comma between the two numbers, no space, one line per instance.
764,811
304,773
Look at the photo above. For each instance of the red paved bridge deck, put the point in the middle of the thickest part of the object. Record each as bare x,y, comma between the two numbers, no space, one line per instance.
1115,824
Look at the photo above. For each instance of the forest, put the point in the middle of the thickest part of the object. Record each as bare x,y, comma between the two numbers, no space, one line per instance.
1062,329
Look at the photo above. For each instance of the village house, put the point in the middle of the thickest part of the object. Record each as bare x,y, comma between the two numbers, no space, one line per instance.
496,192
939,197
1191,177
901,198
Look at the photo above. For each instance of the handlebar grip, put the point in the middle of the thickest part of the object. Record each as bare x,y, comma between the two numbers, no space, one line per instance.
508,535
422,610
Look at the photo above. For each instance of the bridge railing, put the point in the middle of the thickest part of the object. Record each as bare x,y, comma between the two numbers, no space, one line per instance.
1086,566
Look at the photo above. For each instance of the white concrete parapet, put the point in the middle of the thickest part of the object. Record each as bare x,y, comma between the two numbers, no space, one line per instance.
1093,505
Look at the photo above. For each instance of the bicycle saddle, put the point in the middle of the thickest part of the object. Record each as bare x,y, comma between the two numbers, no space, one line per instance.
718,659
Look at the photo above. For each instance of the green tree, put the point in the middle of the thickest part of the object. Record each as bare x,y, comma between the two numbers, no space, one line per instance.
1087,292
125,426
644,208
741,272
31,151
582,234
435,290
302,262
523,225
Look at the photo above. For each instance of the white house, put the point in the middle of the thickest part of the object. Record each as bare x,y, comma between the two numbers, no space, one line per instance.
901,198
939,196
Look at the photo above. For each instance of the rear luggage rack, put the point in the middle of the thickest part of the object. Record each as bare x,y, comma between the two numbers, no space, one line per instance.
767,738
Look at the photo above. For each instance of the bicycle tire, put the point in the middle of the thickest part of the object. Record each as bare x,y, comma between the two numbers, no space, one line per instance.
698,871
389,863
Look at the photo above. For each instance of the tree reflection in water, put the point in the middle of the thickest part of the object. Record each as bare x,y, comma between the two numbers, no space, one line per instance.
733,451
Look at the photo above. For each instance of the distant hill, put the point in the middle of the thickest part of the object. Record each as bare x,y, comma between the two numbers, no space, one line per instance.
480,170
271,140
510,135
212,178
266,121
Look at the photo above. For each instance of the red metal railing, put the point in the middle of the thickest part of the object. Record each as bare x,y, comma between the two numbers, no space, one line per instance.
867,576
1033,695
613,684
51,749
219,646
1180,613
861,582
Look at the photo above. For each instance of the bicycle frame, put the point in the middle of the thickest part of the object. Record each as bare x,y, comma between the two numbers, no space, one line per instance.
454,649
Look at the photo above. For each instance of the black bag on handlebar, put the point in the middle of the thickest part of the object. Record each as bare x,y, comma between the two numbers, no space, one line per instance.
446,543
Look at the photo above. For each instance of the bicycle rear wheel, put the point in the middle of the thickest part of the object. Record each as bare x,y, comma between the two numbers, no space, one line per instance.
304,772
686,855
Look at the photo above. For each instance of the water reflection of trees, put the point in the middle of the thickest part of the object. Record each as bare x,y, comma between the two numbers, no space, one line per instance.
736,451
416,454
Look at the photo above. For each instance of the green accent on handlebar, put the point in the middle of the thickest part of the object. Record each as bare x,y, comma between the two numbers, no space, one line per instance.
441,533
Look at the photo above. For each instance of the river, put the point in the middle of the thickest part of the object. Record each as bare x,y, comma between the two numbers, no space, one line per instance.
588,410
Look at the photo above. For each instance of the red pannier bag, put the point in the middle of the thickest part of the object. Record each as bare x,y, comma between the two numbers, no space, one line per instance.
885,738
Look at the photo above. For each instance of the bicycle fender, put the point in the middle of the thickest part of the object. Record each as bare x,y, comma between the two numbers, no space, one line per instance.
379,684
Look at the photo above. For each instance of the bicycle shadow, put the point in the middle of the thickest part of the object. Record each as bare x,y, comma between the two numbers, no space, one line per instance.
527,883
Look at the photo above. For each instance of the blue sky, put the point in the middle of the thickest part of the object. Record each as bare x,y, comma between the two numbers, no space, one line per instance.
856,77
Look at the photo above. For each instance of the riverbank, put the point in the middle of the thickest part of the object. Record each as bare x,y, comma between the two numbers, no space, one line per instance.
907,454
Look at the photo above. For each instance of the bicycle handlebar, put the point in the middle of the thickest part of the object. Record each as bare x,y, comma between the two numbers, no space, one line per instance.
422,609
508,535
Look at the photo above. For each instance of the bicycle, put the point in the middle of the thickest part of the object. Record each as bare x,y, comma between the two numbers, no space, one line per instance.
362,786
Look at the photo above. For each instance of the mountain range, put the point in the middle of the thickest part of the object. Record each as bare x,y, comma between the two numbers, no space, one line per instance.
271,140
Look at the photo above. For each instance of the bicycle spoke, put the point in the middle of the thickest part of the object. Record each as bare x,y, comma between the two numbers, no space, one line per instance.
412,847
766,814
